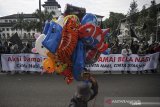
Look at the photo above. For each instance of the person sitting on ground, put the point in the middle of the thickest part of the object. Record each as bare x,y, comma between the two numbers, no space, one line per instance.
84,93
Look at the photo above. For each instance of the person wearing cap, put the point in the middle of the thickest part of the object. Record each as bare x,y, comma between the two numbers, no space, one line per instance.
85,92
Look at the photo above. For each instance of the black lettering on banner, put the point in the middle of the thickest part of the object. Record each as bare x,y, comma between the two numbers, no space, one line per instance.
21,66
106,66
119,65
34,66
136,65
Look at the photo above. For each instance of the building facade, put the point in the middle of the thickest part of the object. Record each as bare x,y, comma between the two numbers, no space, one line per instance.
52,6
7,22
124,27
6,28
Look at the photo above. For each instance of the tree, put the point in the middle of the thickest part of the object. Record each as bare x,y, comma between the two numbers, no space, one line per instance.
144,12
142,17
113,21
151,20
147,20
30,25
133,12
20,24
153,10
42,17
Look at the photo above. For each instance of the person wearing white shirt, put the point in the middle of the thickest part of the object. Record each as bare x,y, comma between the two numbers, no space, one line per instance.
126,51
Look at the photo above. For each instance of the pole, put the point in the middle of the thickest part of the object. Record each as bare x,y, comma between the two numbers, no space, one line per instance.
157,30
40,5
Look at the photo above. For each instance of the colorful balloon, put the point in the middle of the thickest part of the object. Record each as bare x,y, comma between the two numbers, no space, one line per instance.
78,60
68,75
92,56
60,67
49,65
86,30
74,45
93,35
36,35
60,20
107,52
72,17
46,27
53,37
39,47
89,18
69,40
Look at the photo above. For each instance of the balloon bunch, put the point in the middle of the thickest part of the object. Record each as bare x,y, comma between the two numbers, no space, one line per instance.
70,44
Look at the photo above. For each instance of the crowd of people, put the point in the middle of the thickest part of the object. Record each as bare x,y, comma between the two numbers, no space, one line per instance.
9,48
139,48
116,48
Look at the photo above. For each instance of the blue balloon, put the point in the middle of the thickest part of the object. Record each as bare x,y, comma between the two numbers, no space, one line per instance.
89,18
107,52
107,35
46,27
88,40
78,59
53,37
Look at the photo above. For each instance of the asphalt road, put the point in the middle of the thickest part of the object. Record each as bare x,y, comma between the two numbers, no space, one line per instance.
34,90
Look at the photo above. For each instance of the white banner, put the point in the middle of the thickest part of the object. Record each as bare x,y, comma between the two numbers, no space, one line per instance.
22,62
112,62
118,62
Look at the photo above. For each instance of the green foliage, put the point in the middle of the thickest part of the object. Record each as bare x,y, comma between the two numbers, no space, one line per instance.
113,21
133,8
42,17
153,10
133,12
20,22
148,17
142,16
151,19
144,21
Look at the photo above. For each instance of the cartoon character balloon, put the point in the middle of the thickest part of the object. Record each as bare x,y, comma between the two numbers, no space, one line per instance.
69,39
49,65
93,35
53,37
74,17
89,18
60,20
46,27
69,45
39,48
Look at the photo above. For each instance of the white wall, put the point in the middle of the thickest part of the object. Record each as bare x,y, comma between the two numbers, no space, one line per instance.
53,8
